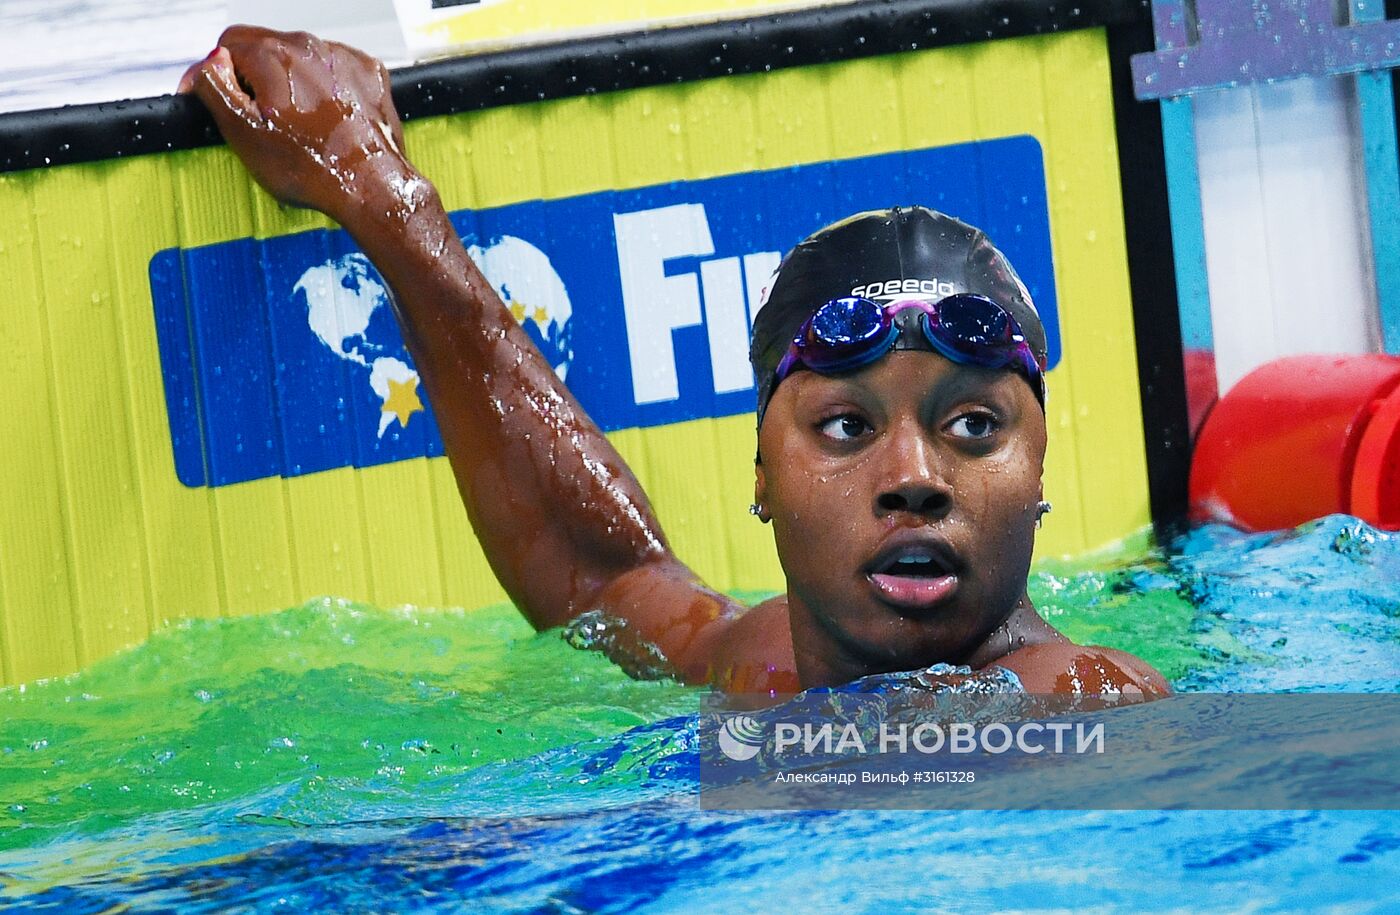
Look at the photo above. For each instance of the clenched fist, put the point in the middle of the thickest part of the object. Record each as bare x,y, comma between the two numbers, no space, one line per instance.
312,120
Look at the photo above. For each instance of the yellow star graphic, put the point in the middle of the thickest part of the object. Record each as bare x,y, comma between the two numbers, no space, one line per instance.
518,310
403,400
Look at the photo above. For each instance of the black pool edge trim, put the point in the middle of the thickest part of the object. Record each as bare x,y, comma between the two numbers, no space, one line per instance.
1142,174
587,66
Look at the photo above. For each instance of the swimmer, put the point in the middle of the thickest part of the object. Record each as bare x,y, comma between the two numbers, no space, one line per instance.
901,423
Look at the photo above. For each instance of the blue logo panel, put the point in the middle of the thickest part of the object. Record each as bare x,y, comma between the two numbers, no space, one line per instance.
281,357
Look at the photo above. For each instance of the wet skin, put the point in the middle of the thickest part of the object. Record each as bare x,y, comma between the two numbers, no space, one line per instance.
913,458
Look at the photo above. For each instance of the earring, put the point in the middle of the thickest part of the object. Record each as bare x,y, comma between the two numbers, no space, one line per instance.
757,511
1042,509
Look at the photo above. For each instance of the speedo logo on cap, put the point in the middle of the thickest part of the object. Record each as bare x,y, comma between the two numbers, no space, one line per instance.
904,288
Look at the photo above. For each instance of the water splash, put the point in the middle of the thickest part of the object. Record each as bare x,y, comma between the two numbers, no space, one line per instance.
442,756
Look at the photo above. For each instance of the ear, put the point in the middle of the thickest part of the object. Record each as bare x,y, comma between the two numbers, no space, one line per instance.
760,491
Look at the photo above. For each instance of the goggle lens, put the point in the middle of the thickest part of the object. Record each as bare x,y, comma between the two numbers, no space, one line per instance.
844,322
849,333
845,334
974,321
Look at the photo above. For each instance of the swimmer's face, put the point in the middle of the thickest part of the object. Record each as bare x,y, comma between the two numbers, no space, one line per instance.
903,499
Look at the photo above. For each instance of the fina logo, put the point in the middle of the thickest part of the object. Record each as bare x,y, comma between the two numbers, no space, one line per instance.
740,738
531,288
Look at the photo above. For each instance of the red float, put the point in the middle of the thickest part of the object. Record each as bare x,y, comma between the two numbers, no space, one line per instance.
1299,438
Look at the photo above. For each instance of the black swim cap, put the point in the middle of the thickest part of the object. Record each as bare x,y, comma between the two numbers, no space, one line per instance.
885,255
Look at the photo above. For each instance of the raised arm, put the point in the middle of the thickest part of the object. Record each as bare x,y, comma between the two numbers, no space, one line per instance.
562,520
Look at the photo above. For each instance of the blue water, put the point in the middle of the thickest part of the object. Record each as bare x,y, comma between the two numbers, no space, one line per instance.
612,823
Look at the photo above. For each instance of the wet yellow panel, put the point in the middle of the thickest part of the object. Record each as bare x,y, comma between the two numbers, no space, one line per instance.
402,539
793,126
653,142
575,146
254,545
630,445
256,548
1091,262
647,145
505,159
935,92
326,519
102,498
178,524
37,630
213,196
718,126
936,109
1008,97
864,104
597,169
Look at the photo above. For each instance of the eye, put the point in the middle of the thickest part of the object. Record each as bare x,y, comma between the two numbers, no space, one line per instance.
975,424
844,428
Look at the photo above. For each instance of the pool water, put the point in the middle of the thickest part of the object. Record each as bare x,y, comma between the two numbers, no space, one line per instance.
339,756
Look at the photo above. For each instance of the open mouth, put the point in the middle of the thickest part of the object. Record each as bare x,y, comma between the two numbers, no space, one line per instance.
914,566
913,577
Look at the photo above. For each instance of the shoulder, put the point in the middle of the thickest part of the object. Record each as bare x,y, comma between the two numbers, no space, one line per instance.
1064,667
755,655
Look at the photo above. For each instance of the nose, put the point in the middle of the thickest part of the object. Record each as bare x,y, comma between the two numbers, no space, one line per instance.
915,482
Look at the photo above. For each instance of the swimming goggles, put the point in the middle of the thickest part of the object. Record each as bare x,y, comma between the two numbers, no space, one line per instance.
848,333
